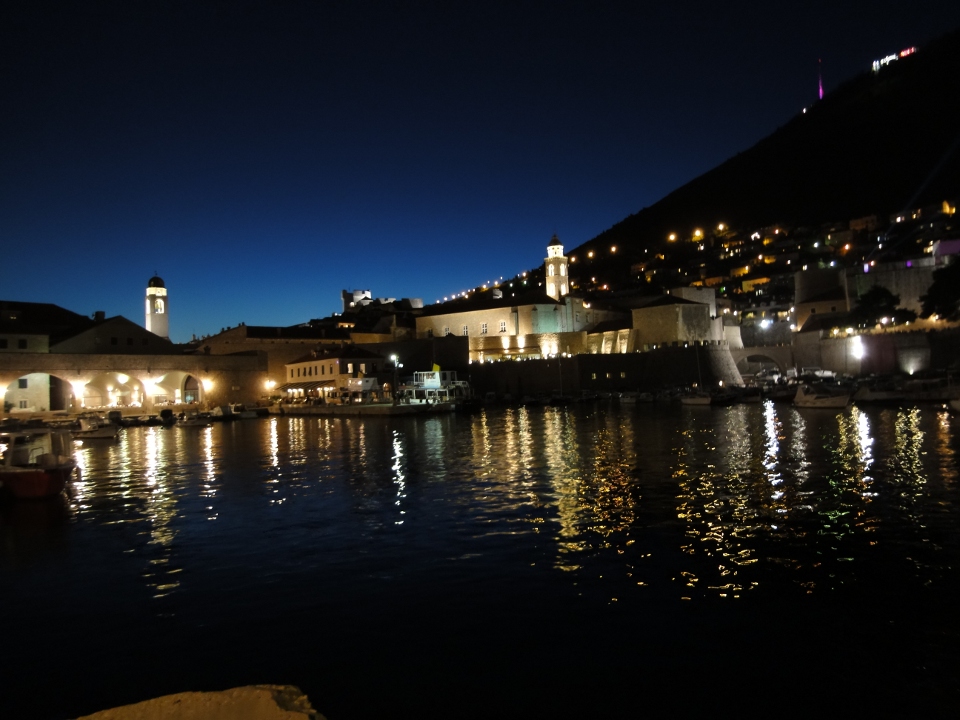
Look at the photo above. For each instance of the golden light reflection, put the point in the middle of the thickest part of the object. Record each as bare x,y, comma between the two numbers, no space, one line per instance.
399,477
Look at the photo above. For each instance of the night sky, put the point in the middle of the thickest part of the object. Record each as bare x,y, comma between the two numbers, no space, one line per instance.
262,157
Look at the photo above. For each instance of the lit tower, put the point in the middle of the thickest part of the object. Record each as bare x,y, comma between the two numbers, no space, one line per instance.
555,270
157,308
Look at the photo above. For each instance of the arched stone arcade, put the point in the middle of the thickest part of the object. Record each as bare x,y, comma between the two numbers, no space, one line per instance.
39,382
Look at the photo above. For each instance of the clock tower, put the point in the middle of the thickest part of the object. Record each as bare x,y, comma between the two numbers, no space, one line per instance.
555,270
157,308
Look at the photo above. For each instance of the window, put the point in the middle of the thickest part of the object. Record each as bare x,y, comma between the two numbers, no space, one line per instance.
291,373
593,376
323,369
22,383
812,310
608,376
363,368
577,316
22,344
483,328
563,270
623,374
550,271
466,330
349,368
503,326
446,331
23,404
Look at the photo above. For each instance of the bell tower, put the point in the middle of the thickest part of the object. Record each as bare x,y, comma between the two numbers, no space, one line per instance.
157,308
555,270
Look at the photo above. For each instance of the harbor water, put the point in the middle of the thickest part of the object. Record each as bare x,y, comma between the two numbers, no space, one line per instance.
588,560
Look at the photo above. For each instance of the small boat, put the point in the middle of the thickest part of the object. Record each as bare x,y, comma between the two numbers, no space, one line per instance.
631,396
696,398
194,420
93,428
821,396
32,466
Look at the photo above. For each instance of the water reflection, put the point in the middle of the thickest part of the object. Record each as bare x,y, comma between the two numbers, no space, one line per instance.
695,505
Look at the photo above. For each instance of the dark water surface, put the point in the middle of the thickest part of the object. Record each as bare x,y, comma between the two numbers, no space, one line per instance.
591,561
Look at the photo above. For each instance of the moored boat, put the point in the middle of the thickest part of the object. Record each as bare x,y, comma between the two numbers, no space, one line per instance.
34,464
93,428
821,396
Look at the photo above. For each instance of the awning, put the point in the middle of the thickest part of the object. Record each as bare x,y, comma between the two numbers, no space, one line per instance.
305,386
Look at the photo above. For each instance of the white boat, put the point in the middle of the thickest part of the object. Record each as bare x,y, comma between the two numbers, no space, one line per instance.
880,392
194,420
820,396
94,428
436,387
34,464
233,411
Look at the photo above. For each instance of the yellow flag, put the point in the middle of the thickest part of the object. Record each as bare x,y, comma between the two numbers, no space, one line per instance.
436,368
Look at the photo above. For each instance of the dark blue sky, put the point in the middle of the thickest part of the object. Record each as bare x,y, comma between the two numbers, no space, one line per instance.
261,157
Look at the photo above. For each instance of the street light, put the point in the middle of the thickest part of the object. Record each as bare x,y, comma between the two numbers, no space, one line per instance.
396,378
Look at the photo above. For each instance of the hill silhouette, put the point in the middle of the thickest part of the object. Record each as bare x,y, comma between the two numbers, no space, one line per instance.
881,143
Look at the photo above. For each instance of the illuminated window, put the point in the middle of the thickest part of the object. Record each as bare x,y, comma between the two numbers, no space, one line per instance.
623,374
466,330
503,326
483,329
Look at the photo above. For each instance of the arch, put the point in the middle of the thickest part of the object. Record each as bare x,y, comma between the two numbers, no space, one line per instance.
38,392
751,360
175,387
111,389
757,363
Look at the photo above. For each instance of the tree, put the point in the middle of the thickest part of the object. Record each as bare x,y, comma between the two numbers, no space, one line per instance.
943,297
879,303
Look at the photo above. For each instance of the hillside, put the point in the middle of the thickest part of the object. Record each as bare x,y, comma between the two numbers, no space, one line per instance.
881,143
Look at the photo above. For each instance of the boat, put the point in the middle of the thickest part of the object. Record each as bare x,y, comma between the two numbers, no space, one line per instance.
696,398
95,428
233,411
821,396
880,390
434,387
34,464
631,396
194,420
